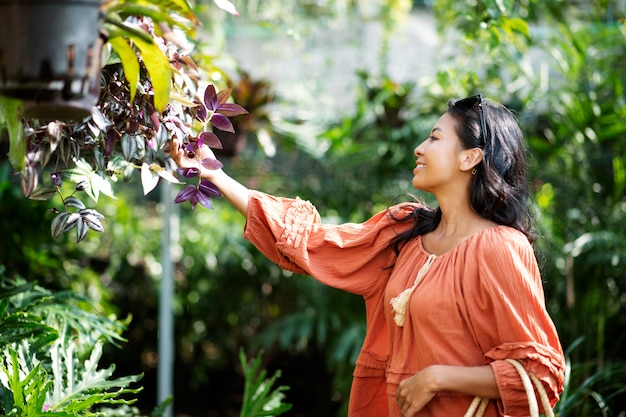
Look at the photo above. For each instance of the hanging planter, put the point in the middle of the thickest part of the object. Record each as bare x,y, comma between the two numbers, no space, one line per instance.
50,56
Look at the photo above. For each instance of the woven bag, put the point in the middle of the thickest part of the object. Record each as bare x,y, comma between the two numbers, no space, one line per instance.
479,405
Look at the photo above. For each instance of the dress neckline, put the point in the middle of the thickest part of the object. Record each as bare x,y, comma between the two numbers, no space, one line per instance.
460,244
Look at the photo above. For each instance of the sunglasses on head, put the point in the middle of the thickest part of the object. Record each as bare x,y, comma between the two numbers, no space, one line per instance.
470,102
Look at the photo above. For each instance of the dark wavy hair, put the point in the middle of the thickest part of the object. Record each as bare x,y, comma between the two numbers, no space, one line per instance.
499,189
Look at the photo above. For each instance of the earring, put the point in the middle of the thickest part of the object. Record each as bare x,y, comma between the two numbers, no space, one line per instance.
474,171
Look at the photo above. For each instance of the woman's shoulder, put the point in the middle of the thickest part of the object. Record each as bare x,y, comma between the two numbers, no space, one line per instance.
499,238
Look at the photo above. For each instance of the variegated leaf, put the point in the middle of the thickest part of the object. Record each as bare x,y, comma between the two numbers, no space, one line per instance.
74,202
43,193
129,147
81,230
75,147
72,221
93,222
99,156
46,152
91,212
29,179
58,223
65,151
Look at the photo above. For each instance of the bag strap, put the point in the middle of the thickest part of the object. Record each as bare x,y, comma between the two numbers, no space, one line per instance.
479,405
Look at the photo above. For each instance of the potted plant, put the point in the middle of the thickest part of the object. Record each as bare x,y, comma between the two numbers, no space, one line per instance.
150,91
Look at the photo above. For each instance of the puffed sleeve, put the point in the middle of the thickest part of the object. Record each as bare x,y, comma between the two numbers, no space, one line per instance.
289,232
510,319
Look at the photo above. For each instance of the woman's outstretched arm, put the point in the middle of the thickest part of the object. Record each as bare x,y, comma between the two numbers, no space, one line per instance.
235,192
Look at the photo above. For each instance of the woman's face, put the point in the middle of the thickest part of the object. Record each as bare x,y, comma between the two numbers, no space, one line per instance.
441,162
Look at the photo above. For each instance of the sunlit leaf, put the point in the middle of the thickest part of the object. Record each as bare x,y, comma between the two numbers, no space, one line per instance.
12,110
158,67
222,97
231,109
165,174
99,184
227,6
154,12
149,178
93,222
130,63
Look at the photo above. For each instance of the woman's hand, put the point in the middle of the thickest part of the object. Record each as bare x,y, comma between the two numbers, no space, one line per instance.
416,391
203,159
193,159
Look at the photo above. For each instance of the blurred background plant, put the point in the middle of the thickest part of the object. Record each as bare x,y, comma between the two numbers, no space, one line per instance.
559,64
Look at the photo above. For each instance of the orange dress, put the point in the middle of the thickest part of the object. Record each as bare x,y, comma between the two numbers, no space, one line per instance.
477,304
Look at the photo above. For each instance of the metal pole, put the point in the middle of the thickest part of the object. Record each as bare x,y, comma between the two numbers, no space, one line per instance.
169,238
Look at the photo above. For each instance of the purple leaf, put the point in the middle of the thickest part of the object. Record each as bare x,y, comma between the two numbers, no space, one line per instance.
211,163
231,109
222,97
186,194
221,122
188,172
204,200
208,188
201,113
112,137
210,139
210,98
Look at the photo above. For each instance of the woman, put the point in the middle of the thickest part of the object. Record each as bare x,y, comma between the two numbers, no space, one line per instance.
450,293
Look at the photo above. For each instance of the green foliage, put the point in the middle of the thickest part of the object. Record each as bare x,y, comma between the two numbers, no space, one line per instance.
588,391
260,397
51,346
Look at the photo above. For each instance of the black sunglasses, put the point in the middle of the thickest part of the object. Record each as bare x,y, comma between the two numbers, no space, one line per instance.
470,102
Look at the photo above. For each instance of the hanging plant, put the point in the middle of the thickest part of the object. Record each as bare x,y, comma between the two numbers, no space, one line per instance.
150,91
